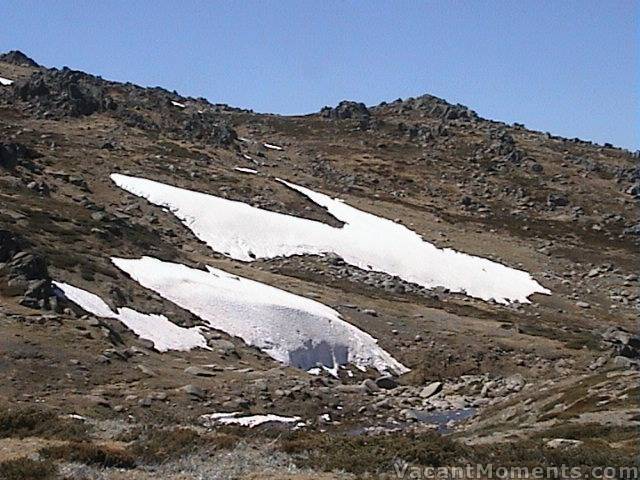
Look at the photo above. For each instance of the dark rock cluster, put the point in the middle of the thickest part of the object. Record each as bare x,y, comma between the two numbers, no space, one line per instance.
346,110
624,343
59,93
434,107
56,94
16,57
24,273
209,128
11,154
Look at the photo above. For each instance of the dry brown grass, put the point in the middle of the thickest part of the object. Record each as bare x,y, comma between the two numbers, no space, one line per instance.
90,453
28,421
27,469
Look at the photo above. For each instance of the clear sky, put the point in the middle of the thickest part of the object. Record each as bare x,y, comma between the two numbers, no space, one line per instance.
568,67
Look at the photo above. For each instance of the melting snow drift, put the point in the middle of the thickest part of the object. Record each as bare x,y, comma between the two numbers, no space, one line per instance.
246,421
291,329
164,334
5,81
245,233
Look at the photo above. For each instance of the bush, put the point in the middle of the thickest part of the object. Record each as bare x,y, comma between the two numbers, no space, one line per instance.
27,469
156,445
362,454
90,454
25,422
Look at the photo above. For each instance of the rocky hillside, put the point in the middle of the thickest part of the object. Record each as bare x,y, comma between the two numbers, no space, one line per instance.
556,378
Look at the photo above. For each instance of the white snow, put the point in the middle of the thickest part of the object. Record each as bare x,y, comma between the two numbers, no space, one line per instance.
5,81
178,104
291,329
246,170
271,146
245,421
245,233
164,334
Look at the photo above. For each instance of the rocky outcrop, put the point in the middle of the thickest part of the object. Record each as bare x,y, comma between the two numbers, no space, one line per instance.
16,57
14,154
622,342
59,93
24,273
347,110
433,106
209,128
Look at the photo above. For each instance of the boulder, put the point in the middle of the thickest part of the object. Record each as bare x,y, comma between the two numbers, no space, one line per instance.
386,382
224,347
430,390
193,391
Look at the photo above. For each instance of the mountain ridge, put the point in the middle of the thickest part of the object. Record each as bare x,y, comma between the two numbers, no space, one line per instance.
565,211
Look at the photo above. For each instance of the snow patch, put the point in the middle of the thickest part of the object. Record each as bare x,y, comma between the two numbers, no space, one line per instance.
367,241
271,146
291,329
178,104
5,81
246,421
246,170
164,334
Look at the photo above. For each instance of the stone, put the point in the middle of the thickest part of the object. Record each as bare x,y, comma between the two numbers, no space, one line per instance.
98,400
199,371
563,443
224,347
617,335
598,363
193,391
583,305
386,382
557,200
594,272
430,390
624,362
146,370
515,382
370,386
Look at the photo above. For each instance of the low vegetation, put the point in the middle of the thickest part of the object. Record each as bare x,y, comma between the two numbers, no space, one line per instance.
91,453
31,422
27,469
376,454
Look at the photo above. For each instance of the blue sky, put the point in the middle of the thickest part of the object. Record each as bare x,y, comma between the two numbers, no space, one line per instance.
568,67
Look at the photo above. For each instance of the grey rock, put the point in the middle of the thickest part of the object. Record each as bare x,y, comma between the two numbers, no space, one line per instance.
563,443
430,390
224,347
370,386
193,391
199,371
146,370
98,400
